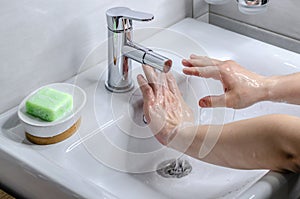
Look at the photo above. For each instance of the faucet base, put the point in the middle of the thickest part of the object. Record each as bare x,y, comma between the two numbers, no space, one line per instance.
119,89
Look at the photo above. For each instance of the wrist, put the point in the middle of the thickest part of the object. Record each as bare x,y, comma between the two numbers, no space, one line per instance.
178,131
268,88
183,137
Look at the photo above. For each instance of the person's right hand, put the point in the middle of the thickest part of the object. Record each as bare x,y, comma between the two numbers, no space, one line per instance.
242,88
164,107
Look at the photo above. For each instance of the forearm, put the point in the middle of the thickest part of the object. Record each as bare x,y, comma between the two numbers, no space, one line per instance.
283,88
257,143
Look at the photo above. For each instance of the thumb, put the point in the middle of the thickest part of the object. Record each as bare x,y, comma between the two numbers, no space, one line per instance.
213,101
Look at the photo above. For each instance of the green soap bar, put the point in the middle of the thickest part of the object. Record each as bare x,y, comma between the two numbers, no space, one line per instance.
49,104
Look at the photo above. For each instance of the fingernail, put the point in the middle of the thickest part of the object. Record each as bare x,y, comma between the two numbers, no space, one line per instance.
185,62
203,103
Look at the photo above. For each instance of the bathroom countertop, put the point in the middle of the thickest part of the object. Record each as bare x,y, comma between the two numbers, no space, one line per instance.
33,174
275,186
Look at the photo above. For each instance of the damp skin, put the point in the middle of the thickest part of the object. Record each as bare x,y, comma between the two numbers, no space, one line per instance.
255,143
164,107
242,87
246,144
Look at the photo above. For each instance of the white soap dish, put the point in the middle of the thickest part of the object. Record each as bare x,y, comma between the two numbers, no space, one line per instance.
43,132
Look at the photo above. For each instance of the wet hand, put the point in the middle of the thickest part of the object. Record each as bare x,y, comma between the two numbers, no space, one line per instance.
164,107
242,88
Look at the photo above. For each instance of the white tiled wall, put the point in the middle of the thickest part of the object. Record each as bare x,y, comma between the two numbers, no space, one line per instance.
47,41
200,10
44,41
280,25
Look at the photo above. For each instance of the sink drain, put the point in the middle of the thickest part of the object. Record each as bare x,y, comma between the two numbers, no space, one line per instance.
174,168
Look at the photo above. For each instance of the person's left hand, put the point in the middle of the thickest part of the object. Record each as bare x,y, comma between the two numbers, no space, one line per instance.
164,107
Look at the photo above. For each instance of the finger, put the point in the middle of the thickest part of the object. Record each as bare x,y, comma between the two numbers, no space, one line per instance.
162,80
172,84
186,63
147,95
145,88
193,56
213,101
215,61
206,72
150,73
200,61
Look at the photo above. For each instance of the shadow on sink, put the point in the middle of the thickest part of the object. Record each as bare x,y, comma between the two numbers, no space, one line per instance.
13,130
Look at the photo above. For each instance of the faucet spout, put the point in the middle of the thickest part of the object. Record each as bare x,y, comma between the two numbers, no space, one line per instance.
122,50
147,56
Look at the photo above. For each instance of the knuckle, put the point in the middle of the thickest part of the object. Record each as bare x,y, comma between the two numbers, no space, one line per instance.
198,71
230,101
228,62
148,90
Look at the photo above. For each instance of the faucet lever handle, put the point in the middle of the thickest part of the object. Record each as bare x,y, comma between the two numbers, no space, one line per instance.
115,18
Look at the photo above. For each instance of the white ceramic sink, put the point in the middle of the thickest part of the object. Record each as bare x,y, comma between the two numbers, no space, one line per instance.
114,155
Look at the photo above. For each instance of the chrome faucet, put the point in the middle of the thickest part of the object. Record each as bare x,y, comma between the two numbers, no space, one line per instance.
121,49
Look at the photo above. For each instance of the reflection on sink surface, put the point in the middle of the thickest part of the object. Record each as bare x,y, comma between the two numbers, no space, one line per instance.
113,137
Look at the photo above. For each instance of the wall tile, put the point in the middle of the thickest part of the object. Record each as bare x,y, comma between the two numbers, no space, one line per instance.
200,7
48,41
204,18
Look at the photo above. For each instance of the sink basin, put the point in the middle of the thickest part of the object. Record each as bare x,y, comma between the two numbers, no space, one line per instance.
134,147
114,155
